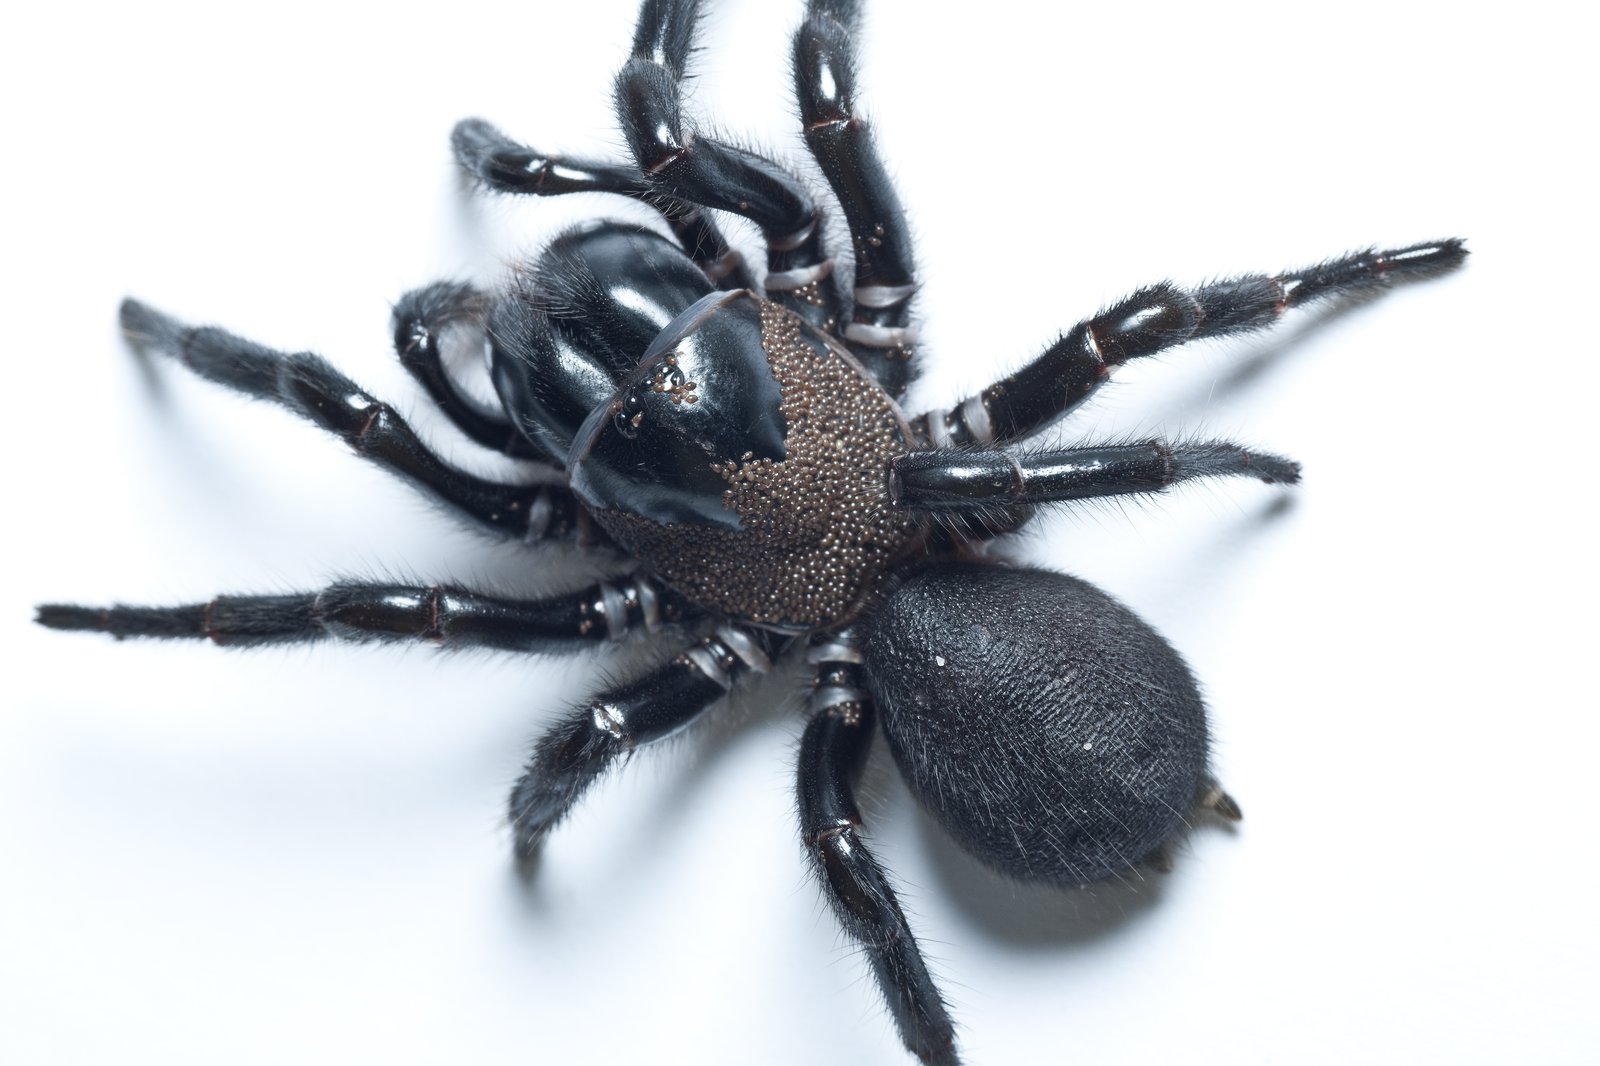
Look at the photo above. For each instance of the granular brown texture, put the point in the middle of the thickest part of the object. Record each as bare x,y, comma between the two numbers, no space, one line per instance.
818,532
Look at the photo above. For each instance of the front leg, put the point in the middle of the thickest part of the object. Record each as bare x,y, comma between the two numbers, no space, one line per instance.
878,334
504,165
676,159
307,385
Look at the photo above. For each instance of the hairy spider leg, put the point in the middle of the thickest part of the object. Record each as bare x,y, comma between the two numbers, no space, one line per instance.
832,751
1160,317
975,481
504,165
361,611
878,334
420,318
305,384
572,753
677,160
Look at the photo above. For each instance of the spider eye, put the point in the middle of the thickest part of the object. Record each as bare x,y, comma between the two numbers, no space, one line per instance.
702,396
572,326
627,414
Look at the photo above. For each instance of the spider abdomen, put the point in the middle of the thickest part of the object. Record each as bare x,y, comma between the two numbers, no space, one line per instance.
1050,730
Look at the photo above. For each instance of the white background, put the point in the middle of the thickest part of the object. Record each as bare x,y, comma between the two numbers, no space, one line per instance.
299,856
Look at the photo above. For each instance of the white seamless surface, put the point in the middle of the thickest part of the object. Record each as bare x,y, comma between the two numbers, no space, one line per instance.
298,855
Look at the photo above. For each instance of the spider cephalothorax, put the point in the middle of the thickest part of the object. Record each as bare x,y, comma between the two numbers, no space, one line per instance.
795,498
735,439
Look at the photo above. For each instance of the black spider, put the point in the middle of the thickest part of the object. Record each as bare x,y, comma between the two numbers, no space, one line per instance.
748,454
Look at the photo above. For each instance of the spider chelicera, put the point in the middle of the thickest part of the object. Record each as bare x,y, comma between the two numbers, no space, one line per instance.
736,435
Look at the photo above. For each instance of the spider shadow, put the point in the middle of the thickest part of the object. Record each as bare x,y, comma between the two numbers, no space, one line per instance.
1015,914
177,438
1209,564
1044,917
1266,352
141,350
203,475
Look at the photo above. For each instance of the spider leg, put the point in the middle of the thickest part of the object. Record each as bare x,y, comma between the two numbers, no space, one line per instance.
358,611
507,166
420,318
885,276
587,739
975,481
309,386
1160,317
677,160
832,751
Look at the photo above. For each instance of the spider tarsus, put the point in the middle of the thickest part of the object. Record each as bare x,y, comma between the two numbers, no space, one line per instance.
1225,459
1428,259
121,621
1360,275
68,616
494,160
148,329
566,761
475,140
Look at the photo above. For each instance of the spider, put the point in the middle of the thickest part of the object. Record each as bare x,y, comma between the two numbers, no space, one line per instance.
737,436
